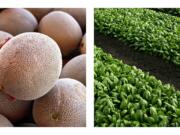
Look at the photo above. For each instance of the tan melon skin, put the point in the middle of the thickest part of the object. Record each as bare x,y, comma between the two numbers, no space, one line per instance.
75,69
30,64
14,110
17,20
64,29
4,36
63,106
83,45
4,122
39,13
78,13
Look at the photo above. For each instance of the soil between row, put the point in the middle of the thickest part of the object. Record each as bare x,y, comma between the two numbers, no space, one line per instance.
162,70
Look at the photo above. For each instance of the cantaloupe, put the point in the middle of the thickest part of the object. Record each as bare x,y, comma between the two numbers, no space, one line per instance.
4,122
17,20
14,110
78,13
64,29
4,36
30,64
83,45
75,69
39,13
63,106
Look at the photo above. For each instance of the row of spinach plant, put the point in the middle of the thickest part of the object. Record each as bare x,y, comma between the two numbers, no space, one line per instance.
171,11
126,96
146,30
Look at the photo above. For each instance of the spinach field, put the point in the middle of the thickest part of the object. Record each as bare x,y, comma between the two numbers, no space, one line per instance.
125,95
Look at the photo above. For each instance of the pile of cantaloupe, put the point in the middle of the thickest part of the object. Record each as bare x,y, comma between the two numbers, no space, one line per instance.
43,67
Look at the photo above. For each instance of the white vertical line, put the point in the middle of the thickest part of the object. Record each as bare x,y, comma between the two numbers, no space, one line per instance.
90,66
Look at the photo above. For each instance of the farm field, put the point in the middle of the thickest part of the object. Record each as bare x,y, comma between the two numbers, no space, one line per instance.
171,11
148,31
136,77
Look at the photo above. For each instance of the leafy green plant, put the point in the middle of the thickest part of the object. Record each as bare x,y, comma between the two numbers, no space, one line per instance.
126,96
148,31
171,11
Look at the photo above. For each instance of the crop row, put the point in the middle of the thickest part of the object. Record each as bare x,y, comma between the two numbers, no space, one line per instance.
172,11
148,31
127,96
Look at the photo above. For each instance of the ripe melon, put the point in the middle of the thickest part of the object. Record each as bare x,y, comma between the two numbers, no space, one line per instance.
17,20
64,29
75,69
83,45
63,106
4,36
78,13
14,110
30,64
4,122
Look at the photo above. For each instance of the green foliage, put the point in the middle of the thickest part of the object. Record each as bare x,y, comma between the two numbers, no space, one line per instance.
126,96
148,31
171,11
